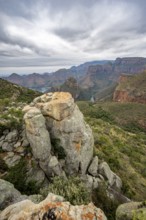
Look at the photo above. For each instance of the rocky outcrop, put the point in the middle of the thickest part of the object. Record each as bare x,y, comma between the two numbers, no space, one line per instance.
53,207
131,211
55,116
55,141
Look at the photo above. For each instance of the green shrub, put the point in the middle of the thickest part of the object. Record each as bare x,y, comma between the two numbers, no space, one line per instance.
133,127
72,189
58,149
3,165
17,175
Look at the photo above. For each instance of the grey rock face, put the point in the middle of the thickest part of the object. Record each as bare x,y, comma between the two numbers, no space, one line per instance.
55,167
66,126
113,180
8,194
75,137
93,168
90,182
35,173
38,137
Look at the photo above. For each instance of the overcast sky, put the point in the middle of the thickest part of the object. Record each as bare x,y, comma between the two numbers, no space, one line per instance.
45,35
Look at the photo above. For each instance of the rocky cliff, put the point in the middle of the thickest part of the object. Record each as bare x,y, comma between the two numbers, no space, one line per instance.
131,89
101,77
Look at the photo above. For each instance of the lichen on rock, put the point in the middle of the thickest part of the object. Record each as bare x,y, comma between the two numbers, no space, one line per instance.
53,207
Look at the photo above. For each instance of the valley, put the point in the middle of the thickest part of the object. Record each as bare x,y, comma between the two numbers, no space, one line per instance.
96,142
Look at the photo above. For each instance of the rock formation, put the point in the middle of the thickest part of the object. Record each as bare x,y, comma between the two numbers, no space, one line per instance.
55,116
53,207
55,141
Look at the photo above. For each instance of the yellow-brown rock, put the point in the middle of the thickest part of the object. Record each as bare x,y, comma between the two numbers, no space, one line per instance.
58,105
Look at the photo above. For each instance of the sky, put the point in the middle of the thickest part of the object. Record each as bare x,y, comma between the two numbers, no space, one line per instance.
46,35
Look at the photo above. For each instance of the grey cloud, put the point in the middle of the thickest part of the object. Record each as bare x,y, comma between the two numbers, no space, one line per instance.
65,31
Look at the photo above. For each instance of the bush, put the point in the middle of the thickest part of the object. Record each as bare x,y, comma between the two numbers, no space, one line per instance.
89,110
72,189
17,175
3,165
58,149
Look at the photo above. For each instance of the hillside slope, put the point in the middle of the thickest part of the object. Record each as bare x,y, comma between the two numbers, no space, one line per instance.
12,99
124,151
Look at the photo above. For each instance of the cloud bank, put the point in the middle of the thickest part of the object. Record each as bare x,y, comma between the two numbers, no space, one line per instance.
44,35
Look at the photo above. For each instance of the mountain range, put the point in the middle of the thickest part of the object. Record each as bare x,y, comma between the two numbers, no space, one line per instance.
93,77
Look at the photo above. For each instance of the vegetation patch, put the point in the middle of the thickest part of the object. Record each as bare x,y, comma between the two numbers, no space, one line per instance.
58,149
72,189
17,175
101,200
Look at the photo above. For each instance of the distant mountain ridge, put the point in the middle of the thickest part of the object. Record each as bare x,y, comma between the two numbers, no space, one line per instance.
93,77
101,77
43,82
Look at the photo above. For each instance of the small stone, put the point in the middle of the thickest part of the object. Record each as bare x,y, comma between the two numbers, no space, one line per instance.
53,161
11,159
18,144
7,146
93,168
12,136
25,143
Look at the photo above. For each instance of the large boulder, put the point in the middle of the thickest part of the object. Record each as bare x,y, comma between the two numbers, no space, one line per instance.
8,194
71,137
53,207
